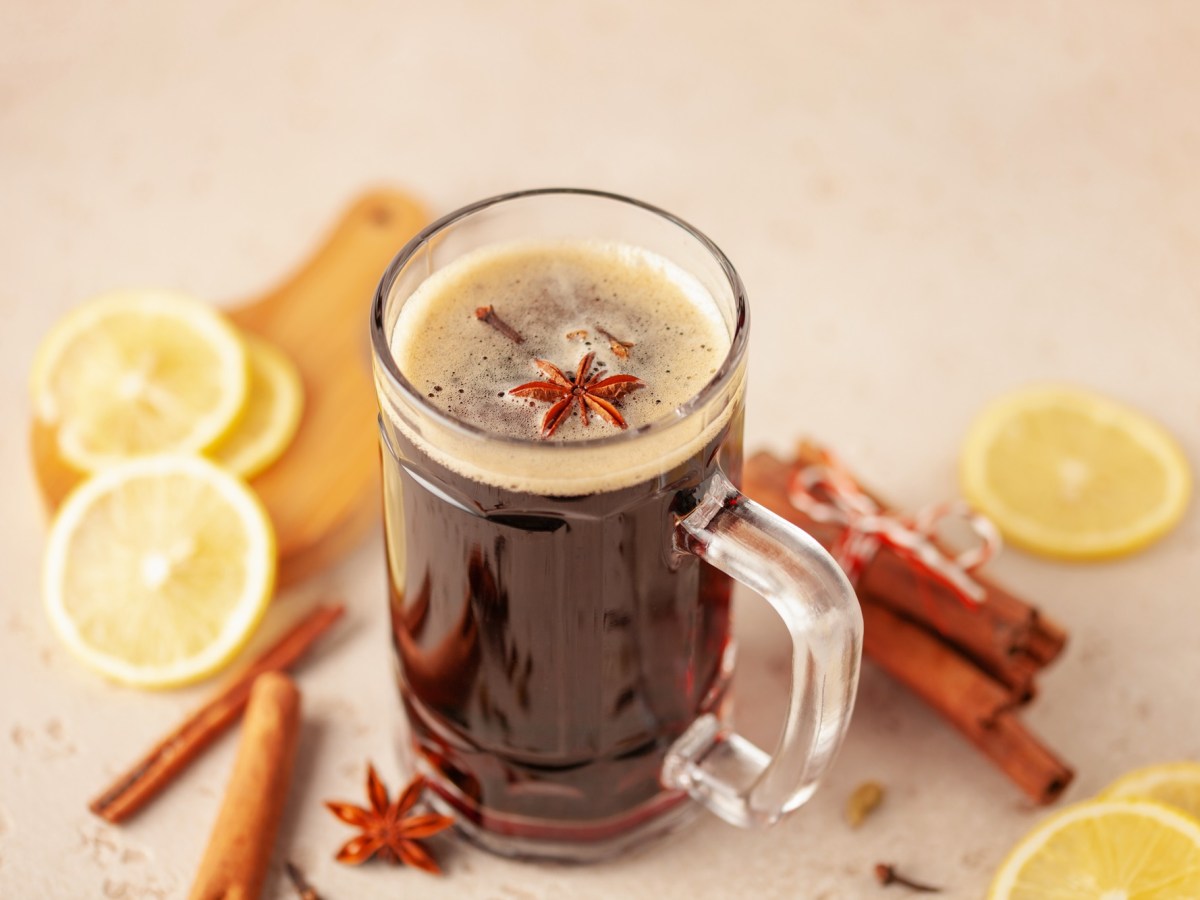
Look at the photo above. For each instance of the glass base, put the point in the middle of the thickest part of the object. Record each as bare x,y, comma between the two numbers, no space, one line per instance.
538,840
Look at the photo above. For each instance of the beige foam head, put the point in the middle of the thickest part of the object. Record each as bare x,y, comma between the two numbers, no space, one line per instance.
566,299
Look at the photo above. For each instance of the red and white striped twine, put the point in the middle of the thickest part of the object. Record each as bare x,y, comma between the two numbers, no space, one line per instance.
827,492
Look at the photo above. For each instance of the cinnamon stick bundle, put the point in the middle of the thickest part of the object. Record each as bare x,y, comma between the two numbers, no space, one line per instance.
1007,637
974,665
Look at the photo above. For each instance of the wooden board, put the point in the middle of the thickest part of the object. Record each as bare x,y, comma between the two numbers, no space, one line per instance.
323,493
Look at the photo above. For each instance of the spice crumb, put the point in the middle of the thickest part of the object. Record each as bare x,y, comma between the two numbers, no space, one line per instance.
886,874
863,801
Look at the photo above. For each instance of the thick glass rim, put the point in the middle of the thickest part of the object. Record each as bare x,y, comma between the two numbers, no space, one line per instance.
381,345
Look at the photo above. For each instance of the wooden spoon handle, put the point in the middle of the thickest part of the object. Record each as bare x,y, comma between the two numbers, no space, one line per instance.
329,295
317,492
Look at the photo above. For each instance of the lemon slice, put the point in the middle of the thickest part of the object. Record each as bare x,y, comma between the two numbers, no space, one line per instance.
271,415
1067,473
134,373
157,570
1105,850
1175,784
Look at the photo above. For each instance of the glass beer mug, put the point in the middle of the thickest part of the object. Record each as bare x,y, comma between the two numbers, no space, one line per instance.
560,606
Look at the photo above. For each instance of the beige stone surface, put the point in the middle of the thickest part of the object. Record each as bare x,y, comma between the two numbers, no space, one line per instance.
930,202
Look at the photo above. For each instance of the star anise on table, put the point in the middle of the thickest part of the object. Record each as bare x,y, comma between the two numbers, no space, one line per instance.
594,393
387,828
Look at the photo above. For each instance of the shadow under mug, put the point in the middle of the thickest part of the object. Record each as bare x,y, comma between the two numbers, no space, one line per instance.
563,651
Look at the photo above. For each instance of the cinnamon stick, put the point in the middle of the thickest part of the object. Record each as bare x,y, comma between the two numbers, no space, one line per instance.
1006,636
166,759
1046,639
980,707
234,866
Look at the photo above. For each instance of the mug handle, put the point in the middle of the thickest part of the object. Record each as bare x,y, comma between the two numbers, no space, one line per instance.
722,770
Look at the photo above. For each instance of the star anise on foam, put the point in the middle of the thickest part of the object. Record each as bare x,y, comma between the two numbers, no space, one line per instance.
387,829
594,393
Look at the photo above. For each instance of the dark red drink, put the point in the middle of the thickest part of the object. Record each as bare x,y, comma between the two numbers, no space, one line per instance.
551,648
